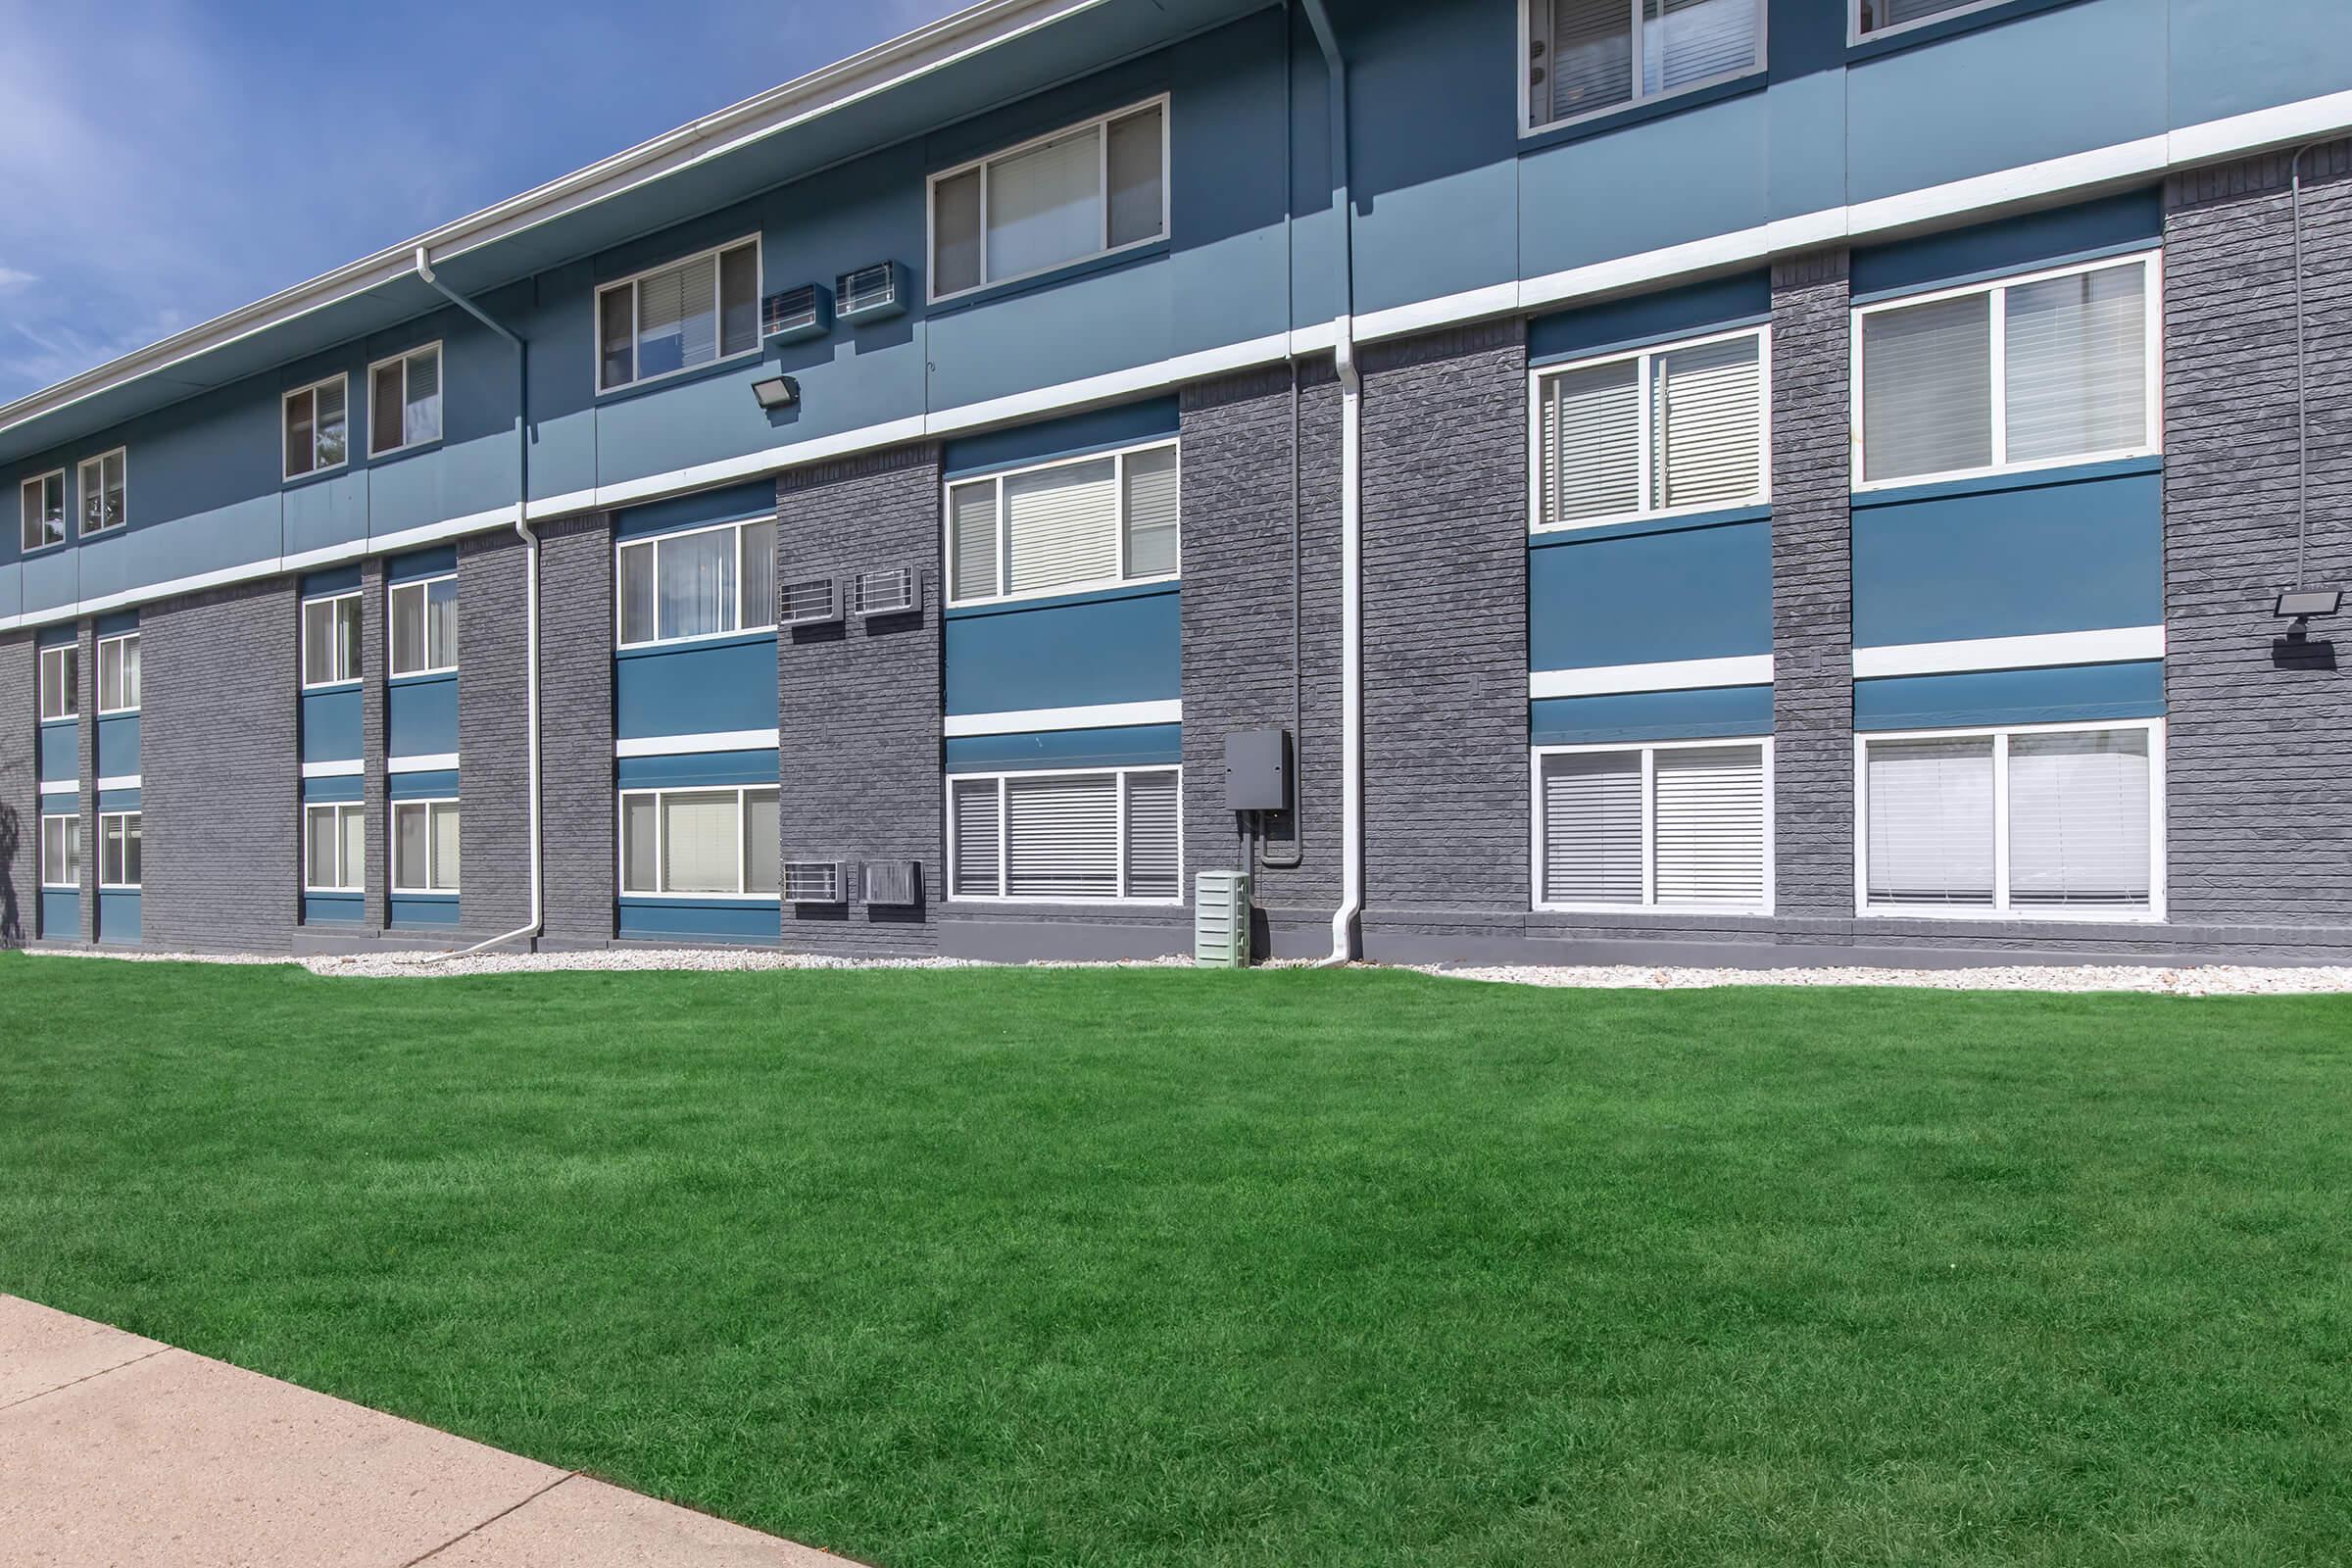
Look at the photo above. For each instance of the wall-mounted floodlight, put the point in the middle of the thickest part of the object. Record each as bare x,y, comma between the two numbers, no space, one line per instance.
2304,603
776,392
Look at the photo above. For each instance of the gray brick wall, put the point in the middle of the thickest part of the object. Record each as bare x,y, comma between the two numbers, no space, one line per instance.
1444,499
859,705
85,748
577,727
220,772
493,736
375,663
20,792
1812,589
2259,784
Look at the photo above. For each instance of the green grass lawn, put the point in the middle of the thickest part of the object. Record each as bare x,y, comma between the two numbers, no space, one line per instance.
1160,1267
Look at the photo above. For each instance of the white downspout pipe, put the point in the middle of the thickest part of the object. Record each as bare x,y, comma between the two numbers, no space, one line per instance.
1351,516
531,612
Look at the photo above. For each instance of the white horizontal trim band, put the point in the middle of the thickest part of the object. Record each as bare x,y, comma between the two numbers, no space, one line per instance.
2109,647
119,781
72,786
1674,675
422,762
725,740
1096,716
351,770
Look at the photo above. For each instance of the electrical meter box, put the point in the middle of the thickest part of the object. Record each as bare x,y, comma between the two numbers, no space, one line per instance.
1258,770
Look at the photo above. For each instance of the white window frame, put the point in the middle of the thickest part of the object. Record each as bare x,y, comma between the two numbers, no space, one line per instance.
81,483
596,307
285,447
1646,356
104,818
1100,124
48,817
2152,370
392,843
1853,20
1005,830
98,681
621,843
1529,126
303,616
1999,908
1649,903
69,690
31,524
441,365
392,592
334,812
620,548
946,524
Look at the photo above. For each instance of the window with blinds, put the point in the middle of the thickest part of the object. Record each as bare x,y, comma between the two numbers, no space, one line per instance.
712,843
1587,57
1087,192
404,401
2031,822
1084,837
678,318
316,432
1681,428
424,846
1873,17
1665,826
1066,526
2059,368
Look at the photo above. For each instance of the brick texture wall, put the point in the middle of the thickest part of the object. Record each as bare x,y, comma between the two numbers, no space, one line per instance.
375,632
859,704
576,727
85,747
20,793
493,736
221,776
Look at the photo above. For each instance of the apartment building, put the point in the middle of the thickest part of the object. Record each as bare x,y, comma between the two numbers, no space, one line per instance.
1729,480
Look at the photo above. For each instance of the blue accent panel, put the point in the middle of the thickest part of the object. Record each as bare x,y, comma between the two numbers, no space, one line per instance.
55,636
61,914
1121,746
701,689
1645,597
2070,692
437,910
119,745
1066,656
735,502
2134,221
422,564
1651,317
333,909
1700,714
441,784
118,800
1719,153
2222,67
118,916
61,753
122,620
744,921
420,716
320,791
330,726
1128,424
691,768
339,580
2066,555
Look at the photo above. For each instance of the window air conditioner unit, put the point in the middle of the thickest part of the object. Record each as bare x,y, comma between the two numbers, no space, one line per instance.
808,602
895,883
795,313
871,293
813,882
888,592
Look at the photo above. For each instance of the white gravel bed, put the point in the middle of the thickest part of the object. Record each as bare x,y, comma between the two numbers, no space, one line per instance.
2200,980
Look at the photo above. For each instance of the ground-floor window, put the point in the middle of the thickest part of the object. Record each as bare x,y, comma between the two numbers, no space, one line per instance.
335,847
720,843
60,852
118,850
1668,825
1102,834
2041,820
424,846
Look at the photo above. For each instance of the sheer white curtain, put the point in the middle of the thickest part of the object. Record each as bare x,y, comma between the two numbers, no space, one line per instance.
697,584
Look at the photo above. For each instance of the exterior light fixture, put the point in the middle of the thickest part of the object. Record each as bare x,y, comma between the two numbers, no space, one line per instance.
776,392
2304,603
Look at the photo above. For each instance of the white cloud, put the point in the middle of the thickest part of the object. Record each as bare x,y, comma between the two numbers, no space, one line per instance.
11,277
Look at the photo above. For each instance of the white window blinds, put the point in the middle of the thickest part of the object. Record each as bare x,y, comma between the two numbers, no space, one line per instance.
972,540
1062,526
1931,813
1151,514
1709,424
1709,826
1926,388
1667,429
1588,56
1155,869
973,813
1591,440
677,318
1876,15
1671,826
1085,191
1068,525
1593,828
1060,837
2077,373
2078,819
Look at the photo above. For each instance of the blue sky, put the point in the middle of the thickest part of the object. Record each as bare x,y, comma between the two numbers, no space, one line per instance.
165,161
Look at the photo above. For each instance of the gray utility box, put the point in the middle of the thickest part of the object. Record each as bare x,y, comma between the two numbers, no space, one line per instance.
1258,770
1222,921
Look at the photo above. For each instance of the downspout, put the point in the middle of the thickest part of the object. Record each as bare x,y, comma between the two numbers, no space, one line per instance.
531,612
1352,519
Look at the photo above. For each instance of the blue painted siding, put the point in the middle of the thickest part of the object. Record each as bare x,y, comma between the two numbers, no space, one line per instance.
750,921
61,915
1096,431
420,716
320,791
688,770
1697,715
424,911
731,504
2134,221
118,917
333,909
119,800
330,726
1119,745
1120,646
339,580
439,784
1679,592
1644,319
421,564
698,689
2070,692
61,753
119,745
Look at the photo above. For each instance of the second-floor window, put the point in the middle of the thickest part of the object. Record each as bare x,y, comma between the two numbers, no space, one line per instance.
61,681
699,582
1086,522
316,432
1874,17
330,640
404,401
1085,191
675,318
1679,428
42,505
102,491
119,673
1586,57
424,625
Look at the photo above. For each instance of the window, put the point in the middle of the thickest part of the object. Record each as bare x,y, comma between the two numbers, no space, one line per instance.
1091,190
1873,18
424,846
677,318
41,503
60,852
119,673
118,850
102,491
717,842
1674,429
1104,834
334,848
424,625
330,640
1587,57
1670,826
2054,368
2049,821
316,436
404,401
61,682
1084,523
702,582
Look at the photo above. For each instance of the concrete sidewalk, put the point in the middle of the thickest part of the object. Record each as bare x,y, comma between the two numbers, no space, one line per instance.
120,1453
